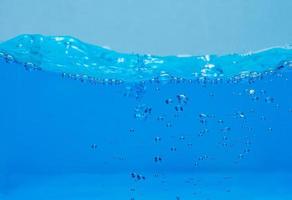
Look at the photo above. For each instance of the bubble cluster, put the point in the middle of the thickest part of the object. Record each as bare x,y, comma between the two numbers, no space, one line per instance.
142,111
136,90
137,176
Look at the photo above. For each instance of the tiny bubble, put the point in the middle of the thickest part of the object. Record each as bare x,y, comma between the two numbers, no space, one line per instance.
157,159
241,115
179,108
173,149
157,139
182,99
220,121
160,118
256,98
131,130
168,125
269,99
226,129
263,92
182,138
203,115
246,150
168,101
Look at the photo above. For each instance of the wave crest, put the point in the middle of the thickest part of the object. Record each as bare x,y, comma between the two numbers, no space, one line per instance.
69,55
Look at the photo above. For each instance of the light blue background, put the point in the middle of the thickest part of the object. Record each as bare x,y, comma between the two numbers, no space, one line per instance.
155,26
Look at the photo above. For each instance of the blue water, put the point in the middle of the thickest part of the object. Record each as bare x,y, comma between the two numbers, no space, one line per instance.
79,121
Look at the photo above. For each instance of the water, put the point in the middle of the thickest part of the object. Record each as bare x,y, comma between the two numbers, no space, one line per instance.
82,122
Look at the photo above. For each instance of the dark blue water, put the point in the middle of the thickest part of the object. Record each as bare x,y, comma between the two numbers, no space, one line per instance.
116,134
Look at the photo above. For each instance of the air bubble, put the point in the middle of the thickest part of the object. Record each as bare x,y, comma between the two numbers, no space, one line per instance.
173,149
226,129
248,143
131,130
203,132
224,144
263,91
220,121
182,99
168,101
164,77
211,94
263,118
157,139
203,118
269,99
9,58
182,138
240,156
160,118
246,150
157,159
142,112
203,115
256,98
179,108
137,177
240,115
251,92
204,157
168,125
